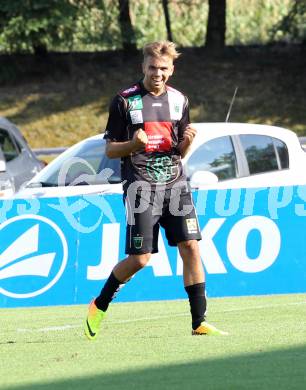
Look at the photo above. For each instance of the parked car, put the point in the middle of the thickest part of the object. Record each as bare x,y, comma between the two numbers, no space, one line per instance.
18,163
223,155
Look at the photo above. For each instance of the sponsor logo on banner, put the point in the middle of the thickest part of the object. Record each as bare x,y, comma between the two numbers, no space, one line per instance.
33,256
237,248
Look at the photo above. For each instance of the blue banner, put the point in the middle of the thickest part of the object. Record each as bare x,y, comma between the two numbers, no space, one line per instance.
59,251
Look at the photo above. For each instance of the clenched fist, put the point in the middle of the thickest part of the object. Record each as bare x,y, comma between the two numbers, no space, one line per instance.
139,140
189,134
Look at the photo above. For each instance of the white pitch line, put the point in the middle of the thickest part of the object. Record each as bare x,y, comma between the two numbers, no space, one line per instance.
49,329
68,327
265,306
223,311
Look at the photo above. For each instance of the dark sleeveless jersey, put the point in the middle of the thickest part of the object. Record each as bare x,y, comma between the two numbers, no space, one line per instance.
164,119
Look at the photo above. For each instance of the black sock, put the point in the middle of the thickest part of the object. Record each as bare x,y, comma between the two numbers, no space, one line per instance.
108,292
197,300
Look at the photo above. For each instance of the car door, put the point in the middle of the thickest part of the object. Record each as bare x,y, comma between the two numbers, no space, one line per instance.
217,156
264,153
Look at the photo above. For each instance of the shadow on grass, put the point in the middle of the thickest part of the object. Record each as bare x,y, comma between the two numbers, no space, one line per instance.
271,84
63,81
279,369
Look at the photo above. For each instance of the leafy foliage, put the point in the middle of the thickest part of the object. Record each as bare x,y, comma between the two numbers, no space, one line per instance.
58,25
92,25
250,21
292,27
32,24
97,26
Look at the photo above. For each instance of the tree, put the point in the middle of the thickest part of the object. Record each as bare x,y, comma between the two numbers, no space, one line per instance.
127,30
167,19
292,27
216,25
36,25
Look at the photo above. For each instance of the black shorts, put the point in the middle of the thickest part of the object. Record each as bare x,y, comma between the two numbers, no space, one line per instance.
147,210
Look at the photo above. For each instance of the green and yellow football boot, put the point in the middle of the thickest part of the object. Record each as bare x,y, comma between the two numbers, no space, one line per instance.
208,330
93,321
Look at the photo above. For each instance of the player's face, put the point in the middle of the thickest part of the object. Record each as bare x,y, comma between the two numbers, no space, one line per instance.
157,71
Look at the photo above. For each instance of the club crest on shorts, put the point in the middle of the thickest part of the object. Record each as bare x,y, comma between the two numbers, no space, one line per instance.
138,241
192,226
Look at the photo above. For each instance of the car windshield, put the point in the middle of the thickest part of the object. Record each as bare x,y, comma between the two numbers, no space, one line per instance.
83,164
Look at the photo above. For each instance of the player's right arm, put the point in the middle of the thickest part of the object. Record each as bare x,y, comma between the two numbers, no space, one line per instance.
116,132
116,149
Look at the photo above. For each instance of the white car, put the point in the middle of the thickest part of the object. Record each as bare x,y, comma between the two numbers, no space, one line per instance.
223,155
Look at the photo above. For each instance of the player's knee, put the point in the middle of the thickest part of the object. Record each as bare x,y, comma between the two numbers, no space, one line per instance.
140,261
190,246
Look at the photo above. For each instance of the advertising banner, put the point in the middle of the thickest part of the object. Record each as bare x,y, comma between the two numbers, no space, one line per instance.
59,251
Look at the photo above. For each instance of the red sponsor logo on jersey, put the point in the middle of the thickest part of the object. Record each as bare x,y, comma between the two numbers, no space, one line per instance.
159,136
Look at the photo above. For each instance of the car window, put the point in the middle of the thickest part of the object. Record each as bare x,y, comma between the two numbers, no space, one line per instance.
216,156
87,159
7,145
261,153
17,144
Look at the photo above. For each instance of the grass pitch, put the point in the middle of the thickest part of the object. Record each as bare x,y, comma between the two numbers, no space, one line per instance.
149,346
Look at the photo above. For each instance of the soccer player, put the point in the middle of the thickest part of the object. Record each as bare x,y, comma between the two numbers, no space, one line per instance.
148,128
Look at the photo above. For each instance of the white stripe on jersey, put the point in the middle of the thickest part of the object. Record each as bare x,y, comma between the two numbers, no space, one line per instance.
176,102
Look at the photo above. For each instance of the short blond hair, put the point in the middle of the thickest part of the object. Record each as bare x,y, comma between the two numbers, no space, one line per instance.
161,48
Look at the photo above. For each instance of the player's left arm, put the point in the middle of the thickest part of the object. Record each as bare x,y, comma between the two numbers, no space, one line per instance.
189,134
186,132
